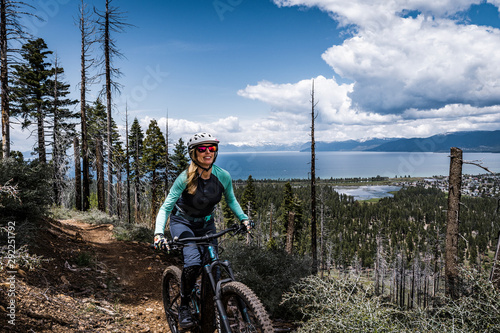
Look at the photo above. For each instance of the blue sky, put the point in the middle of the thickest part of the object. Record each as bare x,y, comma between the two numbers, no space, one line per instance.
243,69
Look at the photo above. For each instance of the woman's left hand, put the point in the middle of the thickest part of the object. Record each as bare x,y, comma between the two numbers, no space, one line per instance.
249,224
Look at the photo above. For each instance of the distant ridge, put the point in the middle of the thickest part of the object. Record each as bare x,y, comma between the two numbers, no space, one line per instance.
476,141
349,145
471,141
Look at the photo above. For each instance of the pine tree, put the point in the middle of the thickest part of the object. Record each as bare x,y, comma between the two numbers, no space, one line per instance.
154,163
291,217
227,213
97,130
179,160
119,164
110,21
11,14
136,138
87,30
32,90
248,199
63,129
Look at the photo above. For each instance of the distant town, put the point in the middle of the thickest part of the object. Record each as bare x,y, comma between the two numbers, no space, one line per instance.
485,185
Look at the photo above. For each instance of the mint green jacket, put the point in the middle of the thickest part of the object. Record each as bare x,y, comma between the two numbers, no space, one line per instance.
220,182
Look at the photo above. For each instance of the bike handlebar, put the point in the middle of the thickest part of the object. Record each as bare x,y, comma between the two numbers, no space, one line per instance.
181,242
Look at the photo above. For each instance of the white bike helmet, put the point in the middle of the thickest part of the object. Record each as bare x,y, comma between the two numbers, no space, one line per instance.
201,138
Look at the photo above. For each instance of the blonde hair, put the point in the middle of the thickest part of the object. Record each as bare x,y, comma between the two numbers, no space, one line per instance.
192,178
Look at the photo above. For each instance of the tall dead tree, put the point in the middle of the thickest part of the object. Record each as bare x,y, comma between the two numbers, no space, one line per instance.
313,188
452,220
127,163
11,13
4,80
87,31
110,21
100,174
167,166
78,174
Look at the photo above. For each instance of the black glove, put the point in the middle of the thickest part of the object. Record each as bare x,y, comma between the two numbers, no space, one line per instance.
248,223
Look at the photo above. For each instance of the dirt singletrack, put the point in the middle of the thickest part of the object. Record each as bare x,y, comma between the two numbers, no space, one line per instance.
88,282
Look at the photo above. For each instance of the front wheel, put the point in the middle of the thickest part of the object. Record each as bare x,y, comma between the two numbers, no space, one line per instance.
171,286
244,310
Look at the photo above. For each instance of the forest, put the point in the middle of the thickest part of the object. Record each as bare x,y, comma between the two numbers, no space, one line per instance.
82,163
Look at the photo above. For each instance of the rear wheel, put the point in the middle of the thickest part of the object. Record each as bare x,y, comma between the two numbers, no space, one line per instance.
244,310
171,286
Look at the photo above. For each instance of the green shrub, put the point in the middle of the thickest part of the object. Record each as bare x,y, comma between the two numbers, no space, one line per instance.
346,305
133,232
339,305
33,191
269,273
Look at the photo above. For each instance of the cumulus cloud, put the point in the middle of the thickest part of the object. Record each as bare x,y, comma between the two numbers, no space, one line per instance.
378,13
332,101
425,60
420,63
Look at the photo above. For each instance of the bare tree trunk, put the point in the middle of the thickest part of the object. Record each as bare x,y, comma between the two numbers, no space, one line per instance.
314,269
42,156
154,199
57,154
127,166
289,232
167,169
100,175
4,81
119,198
78,174
321,248
108,106
85,33
454,194
377,265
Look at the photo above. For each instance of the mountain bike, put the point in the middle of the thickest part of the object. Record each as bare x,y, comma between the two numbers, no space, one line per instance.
218,302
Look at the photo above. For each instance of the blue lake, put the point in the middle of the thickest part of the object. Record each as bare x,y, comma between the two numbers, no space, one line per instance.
367,192
296,165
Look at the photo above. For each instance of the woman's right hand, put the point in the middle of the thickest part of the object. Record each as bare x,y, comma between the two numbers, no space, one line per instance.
161,243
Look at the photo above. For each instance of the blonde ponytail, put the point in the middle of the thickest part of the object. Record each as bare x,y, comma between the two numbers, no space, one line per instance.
192,178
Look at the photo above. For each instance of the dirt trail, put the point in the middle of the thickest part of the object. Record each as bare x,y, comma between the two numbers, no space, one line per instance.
90,283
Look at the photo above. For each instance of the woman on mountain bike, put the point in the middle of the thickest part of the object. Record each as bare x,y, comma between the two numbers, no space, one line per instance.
190,205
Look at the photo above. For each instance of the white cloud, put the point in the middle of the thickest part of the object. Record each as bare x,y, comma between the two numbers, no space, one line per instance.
373,14
229,124
420,63
332,101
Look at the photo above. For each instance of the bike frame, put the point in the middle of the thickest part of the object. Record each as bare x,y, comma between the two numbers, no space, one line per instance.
209,267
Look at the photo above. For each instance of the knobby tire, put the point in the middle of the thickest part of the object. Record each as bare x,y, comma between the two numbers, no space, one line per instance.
234,294
171,286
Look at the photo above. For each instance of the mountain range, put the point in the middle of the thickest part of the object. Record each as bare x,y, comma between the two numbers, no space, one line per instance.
471,141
